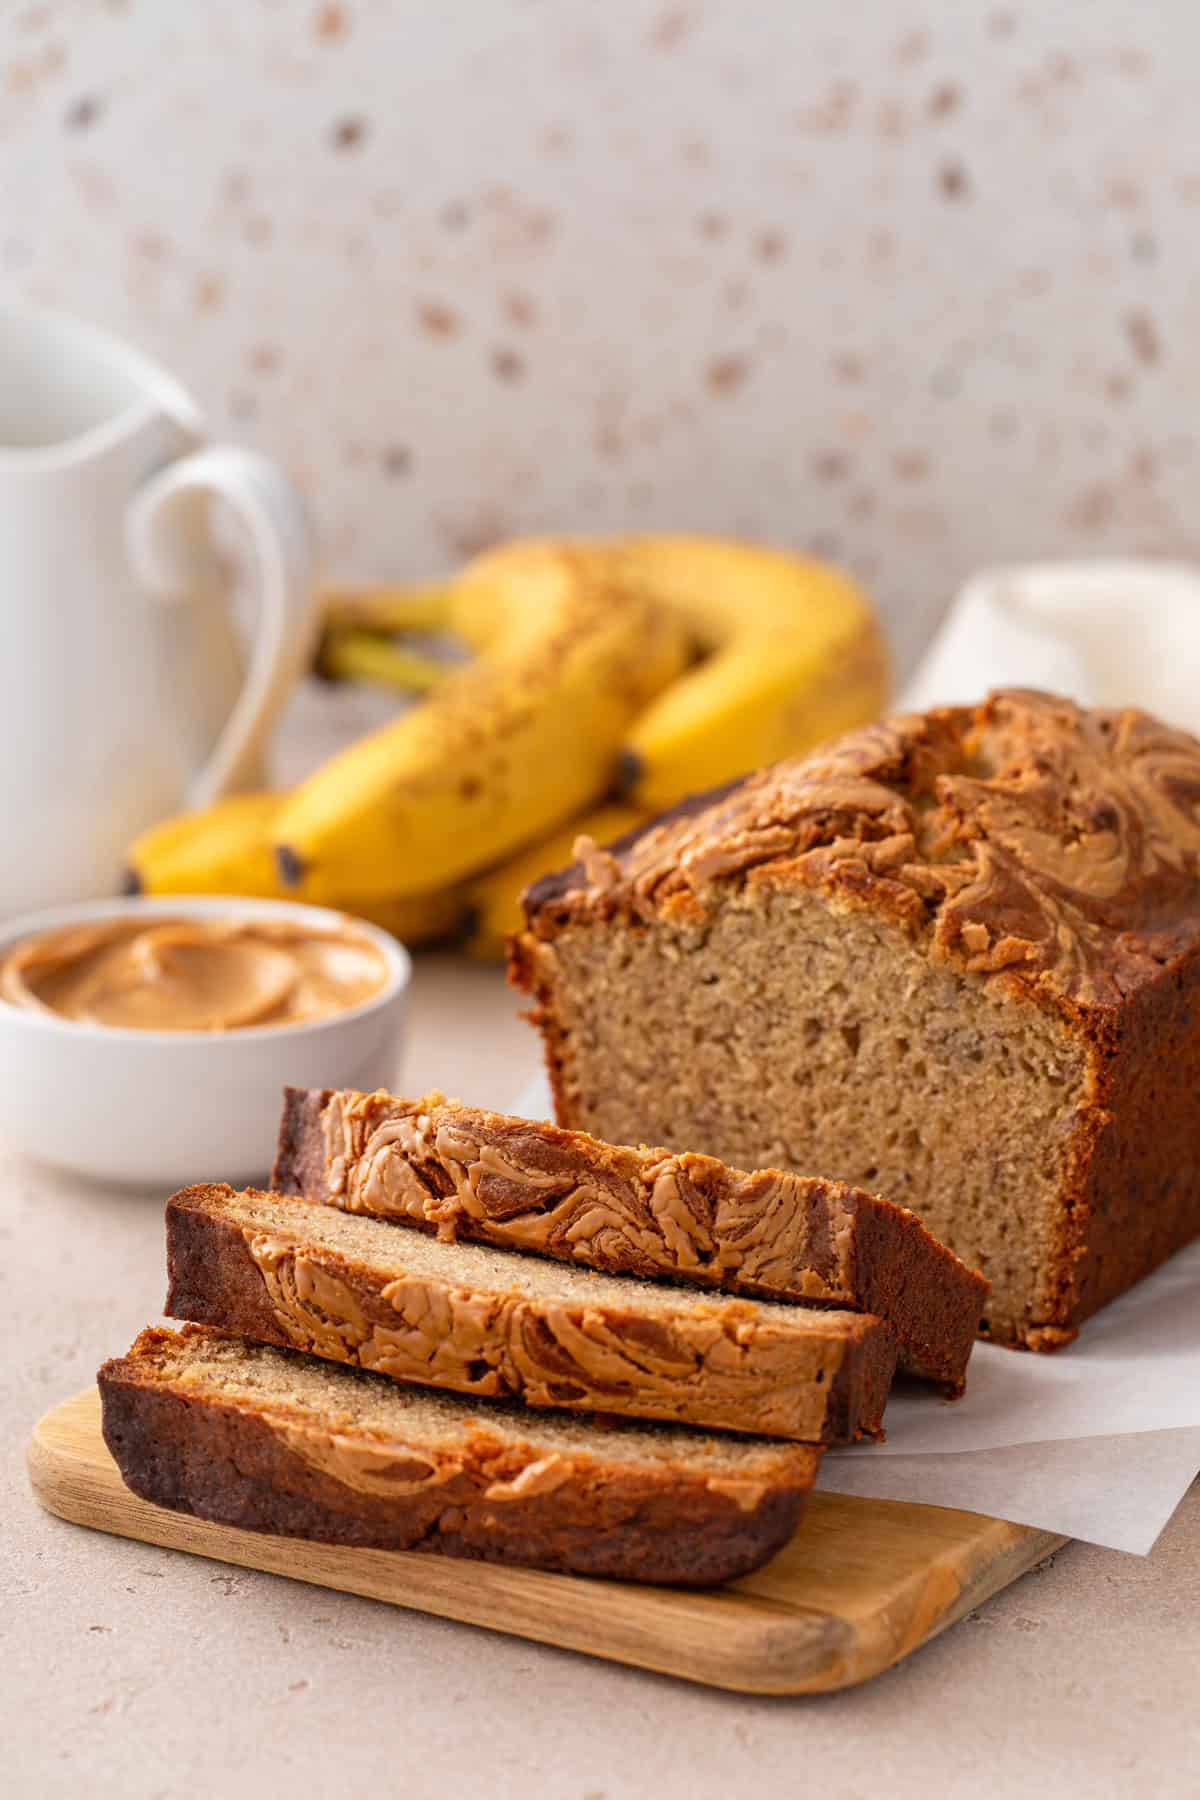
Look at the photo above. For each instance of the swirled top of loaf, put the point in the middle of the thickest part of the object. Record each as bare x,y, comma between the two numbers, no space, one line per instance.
1030,839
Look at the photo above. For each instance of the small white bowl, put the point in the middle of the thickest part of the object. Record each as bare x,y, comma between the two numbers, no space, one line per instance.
165,1108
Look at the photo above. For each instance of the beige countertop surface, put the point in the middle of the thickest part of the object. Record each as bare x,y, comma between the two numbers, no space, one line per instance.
133,1671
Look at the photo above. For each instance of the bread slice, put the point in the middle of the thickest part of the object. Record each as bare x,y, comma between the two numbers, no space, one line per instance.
468,1173
953,956
271,1440
496,1323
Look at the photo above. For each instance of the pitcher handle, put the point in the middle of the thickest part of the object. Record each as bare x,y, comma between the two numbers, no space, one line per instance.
170,558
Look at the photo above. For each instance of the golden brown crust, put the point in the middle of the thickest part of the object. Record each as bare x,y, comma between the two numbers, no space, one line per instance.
262,1466
466,1172
735,1365
1027,837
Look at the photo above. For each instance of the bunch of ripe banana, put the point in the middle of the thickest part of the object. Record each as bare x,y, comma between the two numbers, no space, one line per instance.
609,679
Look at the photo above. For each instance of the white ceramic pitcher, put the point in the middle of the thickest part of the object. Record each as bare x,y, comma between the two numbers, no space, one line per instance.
123,694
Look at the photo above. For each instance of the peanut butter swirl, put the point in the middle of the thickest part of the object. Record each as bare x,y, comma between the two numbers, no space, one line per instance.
389,1470
1031,839
472,1173
730,1366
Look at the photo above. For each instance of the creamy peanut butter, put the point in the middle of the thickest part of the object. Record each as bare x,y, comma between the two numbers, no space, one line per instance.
652,1211
206,974
390,1470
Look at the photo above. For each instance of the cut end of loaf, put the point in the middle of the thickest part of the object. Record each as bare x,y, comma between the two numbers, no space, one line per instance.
787,1033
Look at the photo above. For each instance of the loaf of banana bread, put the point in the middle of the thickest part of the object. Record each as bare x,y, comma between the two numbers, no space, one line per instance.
271,1440
953,956
469,1173
493,1322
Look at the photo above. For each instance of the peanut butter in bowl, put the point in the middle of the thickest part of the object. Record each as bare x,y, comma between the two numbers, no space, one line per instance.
200,974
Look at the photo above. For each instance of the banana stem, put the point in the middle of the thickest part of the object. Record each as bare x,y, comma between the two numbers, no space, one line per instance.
387,609
362,656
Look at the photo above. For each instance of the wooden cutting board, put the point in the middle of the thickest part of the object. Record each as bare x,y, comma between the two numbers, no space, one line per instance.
861,1584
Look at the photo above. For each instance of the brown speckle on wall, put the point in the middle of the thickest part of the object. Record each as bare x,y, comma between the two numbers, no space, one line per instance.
892,120
83,113
331,24
208,293
671,28
520,309
725,374
437,320
944,99
150,245
396,461
910,465
912,47
556,140
1124,193
507,365
832,113
736,293
770,246
1092,508
953,181
348,134
1143,337
470,536
830,465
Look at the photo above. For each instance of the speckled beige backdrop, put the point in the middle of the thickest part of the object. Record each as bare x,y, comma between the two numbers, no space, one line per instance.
915,285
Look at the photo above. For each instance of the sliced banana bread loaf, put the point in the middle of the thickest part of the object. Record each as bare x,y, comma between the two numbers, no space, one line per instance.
494,1322
271,1440
953,956
469,1173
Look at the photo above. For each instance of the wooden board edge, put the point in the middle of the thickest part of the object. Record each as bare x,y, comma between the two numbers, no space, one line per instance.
734,1639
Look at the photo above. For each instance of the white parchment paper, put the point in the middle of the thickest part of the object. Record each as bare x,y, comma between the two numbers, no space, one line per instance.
1099,1441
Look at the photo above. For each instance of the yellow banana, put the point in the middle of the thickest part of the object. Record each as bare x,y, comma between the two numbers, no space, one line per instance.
223,849
495,896
415,919
502,750
793,655
390,610
792,652
226,849
352,655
